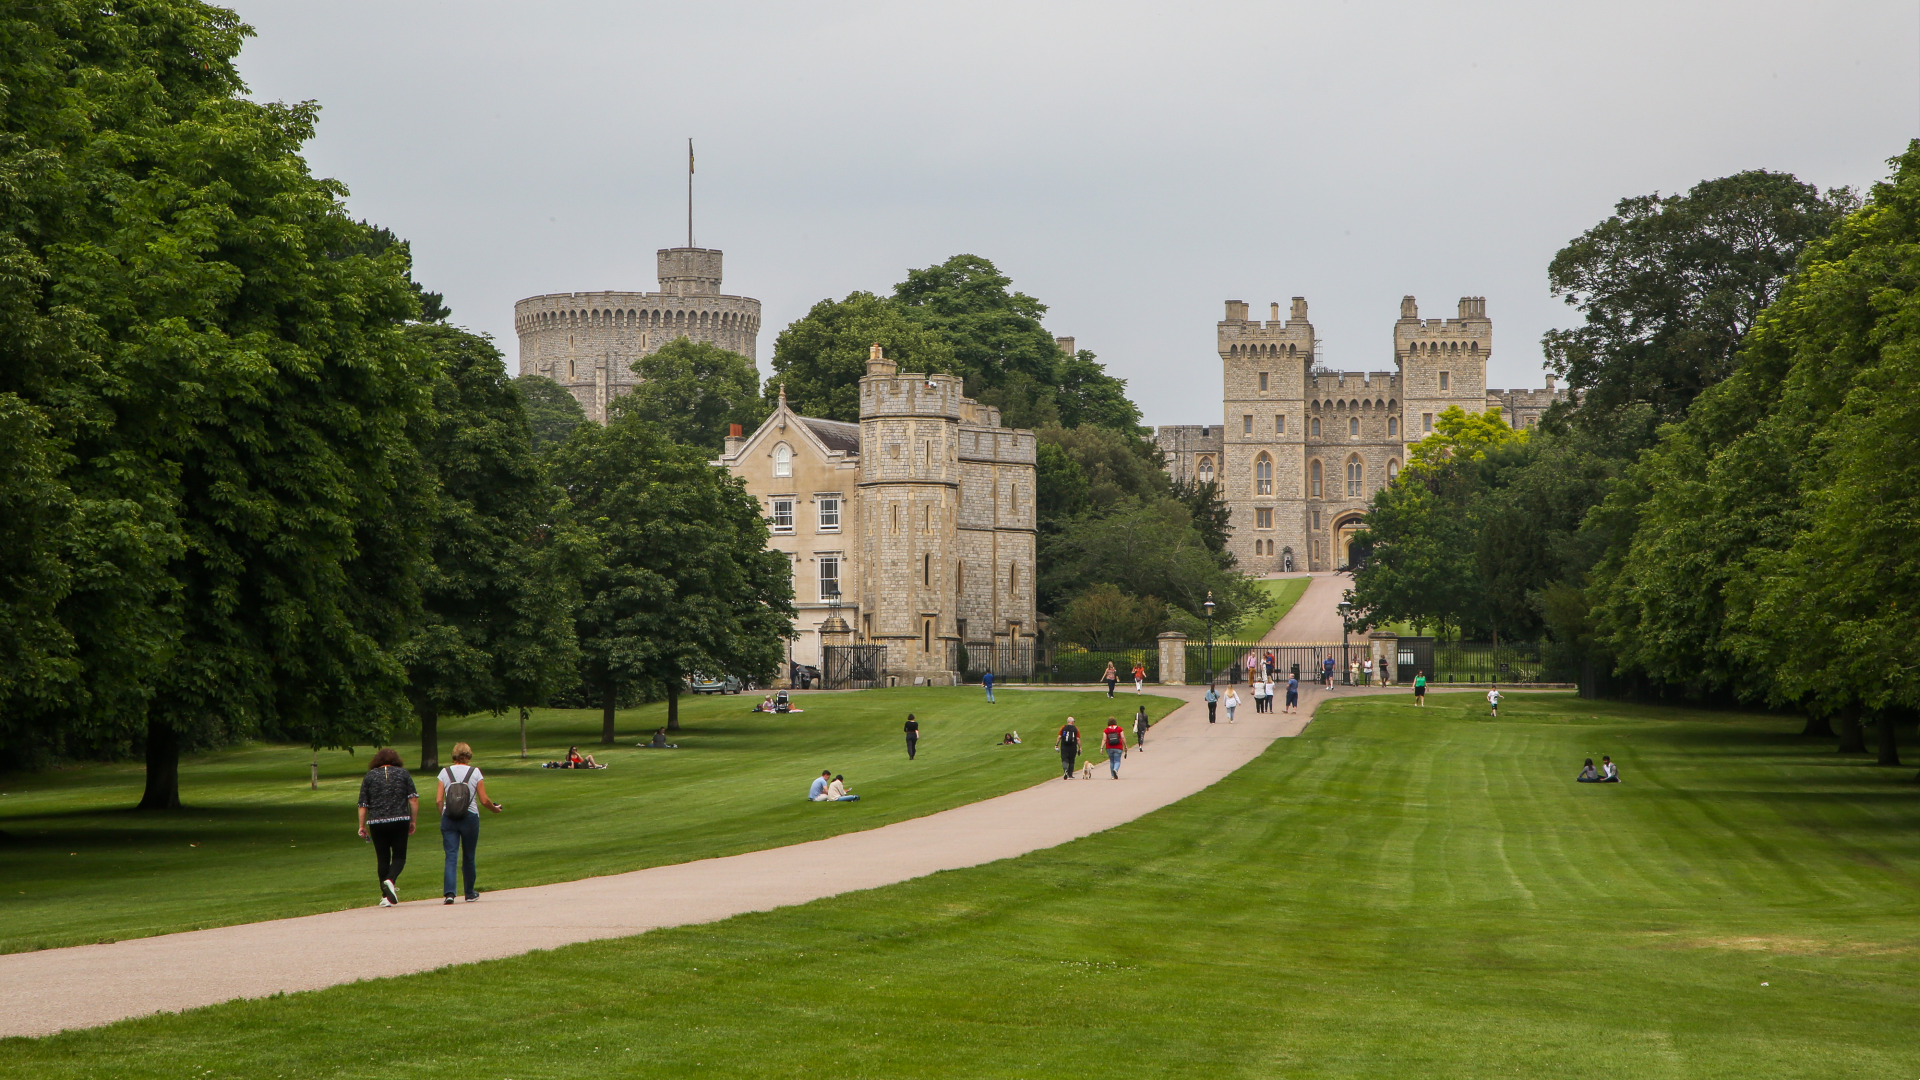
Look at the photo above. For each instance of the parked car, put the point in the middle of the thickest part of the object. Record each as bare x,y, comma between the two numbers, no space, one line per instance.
725,684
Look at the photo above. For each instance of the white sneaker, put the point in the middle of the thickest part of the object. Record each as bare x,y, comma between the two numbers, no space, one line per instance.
384,902
392,890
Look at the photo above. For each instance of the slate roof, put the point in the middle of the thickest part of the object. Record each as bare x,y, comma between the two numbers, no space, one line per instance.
836,434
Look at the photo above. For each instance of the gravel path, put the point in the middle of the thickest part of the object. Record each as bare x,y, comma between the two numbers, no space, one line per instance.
55,989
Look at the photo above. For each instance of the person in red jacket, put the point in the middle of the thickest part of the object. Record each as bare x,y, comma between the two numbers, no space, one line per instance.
1114,741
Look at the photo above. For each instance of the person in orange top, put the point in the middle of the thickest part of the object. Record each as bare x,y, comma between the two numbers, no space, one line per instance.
1139,676
1114,741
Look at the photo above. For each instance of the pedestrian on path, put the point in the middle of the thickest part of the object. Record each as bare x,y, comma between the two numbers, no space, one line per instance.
1109,678
1233,702
913,735
1366,672
1493,703
1326,672
1140,724
1260,695
1139,676
461,793
389,813
1068,743
1419,688
1213,701
1293,692
986,680
1114,741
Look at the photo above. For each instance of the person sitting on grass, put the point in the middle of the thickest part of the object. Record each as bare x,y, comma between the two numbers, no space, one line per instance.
818,792
577,760
1609,772
660,741
837,791
765,705
1589,774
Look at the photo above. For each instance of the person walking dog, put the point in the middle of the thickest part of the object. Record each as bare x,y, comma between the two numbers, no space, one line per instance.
461,794
1068,743
389,813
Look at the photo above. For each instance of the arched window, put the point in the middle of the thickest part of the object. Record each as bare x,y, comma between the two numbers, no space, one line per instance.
1263,475
1393,471
959,578
1205,470
783,460
1314,425
926,570
1356,476
1393,425
1353,425
1013,579
1313,480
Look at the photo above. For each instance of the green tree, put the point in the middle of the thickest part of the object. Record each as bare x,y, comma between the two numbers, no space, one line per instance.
496,627
1105,615
552,412
693,390
376,240
678,577
1211,515
1670,285
1008,358
819,358
1152,545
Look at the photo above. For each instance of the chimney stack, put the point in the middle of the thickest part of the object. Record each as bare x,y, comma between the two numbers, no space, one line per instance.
878,364
734,440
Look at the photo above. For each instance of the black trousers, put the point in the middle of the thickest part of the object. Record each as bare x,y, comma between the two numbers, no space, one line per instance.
1211,705
389,849
912,740
1066,760
1110,687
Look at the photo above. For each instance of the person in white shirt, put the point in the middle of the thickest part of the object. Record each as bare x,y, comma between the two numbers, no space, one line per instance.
1259,695
1493,702
463,835
1611,771
1232,703
837,791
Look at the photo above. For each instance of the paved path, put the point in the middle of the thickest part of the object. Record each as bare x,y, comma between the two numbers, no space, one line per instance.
55,989
1314,619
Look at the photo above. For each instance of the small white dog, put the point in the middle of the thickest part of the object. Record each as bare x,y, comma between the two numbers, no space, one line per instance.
1086,770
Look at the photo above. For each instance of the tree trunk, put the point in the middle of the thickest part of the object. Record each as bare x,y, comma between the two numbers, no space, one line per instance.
673,706
609,697
1889,746
1852,739
429,740
1818,726
163,768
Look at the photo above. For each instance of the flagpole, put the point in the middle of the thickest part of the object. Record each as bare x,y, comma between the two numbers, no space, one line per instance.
689,192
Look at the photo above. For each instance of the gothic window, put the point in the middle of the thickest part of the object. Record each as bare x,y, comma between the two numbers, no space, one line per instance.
1446,381
1473,346
1263,475
1353,425
1205,470
1393,471
1314,426
1279,424
783,460
1313,481
1393,425
1013,580
1263,382
926,640
926,570
1356,476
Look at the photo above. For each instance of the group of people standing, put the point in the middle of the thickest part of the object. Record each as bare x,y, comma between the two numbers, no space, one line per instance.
389,814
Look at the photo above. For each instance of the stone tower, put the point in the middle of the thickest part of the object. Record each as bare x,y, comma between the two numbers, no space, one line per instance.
588,342
1443,362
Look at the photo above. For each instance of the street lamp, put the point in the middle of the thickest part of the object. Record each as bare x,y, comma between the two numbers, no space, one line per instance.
1209,606
1346,670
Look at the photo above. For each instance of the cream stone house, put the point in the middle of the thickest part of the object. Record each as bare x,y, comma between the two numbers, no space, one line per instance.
912,529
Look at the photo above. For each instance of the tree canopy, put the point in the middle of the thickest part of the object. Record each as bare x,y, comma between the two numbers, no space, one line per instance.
693,390
820,357
552,412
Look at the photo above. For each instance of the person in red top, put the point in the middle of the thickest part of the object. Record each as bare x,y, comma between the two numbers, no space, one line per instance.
1114,741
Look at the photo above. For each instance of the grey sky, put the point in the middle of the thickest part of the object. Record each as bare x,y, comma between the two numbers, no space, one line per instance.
1131,165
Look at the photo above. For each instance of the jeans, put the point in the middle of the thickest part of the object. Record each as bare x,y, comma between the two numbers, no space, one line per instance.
912,741
453,837
989,693
1113,761
1109,687
389,849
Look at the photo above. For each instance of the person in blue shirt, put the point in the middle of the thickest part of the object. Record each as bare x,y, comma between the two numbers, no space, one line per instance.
1293,692
1213,702
986,680
818,792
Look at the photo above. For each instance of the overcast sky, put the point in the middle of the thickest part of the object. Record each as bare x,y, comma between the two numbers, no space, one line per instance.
1130,165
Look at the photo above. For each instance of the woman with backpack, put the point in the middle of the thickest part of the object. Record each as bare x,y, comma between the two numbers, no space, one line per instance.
389,811
1114,741
462,791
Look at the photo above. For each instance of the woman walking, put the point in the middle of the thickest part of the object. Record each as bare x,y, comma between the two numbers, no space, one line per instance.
1140,723
1213,702
461,793
1113,739
1233,702
1109,678
389,812
1139,676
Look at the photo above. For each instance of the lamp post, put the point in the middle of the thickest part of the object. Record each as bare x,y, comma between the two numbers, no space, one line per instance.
1209,606
1346,670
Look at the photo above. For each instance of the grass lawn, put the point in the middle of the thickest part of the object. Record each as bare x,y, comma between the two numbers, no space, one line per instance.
1396,893
256,843
1285,593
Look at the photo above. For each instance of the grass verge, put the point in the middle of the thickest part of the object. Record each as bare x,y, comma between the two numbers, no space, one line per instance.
1396,893
256,843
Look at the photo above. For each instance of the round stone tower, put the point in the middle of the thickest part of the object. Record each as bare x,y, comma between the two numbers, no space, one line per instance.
588,342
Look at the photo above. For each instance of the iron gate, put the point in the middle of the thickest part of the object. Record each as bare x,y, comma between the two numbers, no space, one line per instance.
852,667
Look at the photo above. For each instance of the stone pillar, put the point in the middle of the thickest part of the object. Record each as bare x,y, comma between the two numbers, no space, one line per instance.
1386,657
1173,658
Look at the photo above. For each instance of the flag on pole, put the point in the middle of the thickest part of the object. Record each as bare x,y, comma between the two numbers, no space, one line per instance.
689,157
